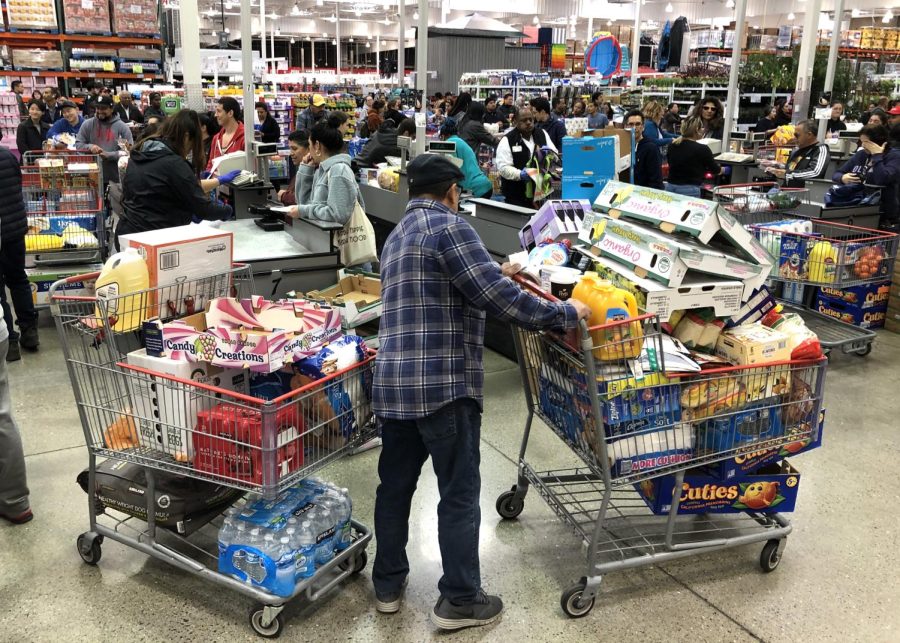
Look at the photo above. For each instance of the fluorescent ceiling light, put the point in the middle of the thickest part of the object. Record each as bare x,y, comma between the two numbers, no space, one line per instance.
293,41
856,13
296,10
535,21
669,8
791,16
730,4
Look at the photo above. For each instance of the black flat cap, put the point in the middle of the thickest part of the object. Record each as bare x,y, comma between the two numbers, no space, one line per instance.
431,169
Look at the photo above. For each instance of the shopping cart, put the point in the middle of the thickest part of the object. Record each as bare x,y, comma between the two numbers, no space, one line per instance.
63,193
203,431
611,400
831,255
762,202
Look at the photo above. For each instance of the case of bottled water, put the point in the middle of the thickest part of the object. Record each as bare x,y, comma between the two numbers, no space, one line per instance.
277,544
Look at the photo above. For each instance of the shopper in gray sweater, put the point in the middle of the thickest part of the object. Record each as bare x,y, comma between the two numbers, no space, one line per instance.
330,191
101,135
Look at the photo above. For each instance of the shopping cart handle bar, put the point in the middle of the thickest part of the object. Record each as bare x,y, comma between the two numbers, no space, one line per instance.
320,382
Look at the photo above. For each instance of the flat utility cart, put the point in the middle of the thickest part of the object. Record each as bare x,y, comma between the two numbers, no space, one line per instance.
637,429
205,432
812,254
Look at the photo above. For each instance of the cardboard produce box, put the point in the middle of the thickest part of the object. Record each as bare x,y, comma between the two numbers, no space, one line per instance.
863,297
696,291
557,219
753,344
704,220
356,297
664,258
772,488
852,314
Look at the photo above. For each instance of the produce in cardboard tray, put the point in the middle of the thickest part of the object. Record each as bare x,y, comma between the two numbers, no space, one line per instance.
699,330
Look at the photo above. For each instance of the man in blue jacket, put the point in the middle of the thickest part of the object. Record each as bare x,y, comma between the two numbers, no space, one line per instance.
438,282
876,162
545,121
70,123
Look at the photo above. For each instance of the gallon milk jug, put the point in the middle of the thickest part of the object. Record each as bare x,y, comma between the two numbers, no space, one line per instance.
123,273
609,305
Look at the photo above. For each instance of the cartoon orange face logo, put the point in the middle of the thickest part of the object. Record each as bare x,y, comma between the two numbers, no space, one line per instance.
759,495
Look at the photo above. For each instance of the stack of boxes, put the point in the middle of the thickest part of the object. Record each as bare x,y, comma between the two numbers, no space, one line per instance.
892,314
864,306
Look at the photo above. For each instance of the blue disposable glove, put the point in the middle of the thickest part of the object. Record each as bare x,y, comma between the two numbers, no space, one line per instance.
523,175
204,174
228,177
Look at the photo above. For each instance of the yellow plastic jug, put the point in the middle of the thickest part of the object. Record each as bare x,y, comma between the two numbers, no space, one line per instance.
123,273
821,263
610,304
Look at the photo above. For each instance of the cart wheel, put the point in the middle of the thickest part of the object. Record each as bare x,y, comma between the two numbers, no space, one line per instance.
89,548
508,505
270,631
864,351
572,604
770,557
356,563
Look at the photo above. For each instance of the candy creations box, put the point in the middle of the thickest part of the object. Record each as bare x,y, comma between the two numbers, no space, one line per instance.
671,213
177,258
556,220
772,488
252,333
356,297
166,410
696,291
808,437
663,258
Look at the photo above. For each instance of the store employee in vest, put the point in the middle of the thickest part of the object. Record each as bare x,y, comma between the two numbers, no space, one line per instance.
514,153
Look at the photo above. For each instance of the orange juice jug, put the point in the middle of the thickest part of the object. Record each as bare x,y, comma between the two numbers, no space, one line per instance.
610,305
123,273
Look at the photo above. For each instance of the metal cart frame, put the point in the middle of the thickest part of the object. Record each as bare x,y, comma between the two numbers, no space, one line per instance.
108,394
602,504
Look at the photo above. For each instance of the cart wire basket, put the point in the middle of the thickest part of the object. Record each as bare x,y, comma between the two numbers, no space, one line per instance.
607,393
760,203
63,194
819,253
204,428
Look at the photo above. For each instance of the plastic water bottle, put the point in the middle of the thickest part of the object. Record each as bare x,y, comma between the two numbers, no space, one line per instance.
284,566
305,551
344,509
323,520
226,536
251,562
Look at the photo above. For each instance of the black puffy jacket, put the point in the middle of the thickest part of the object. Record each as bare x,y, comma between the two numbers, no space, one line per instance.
13,223
379,147
160,190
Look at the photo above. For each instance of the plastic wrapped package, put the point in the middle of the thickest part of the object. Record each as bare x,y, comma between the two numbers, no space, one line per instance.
37,59
136,18
32,14
86,16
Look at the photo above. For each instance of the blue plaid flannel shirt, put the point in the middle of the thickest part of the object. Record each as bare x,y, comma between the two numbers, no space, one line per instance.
437,282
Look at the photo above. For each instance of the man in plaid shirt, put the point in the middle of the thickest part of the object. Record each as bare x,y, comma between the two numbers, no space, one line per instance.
438,280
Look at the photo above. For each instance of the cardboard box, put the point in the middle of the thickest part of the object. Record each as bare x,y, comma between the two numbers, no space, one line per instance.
695,291
750,459
754,309
850,314
178,257
772,488
699,218
195,339
356,297
41,278
893,325
557,219
590,157
663,258
166,411
864,297
582,187
753,344
57,224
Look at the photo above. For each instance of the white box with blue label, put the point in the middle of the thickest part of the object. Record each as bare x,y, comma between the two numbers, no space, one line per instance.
557,219
41,278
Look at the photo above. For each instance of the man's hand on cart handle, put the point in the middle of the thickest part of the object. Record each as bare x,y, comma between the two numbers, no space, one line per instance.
510,269
96,149
584,312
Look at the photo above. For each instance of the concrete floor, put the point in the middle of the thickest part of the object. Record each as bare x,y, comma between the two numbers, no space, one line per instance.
838,580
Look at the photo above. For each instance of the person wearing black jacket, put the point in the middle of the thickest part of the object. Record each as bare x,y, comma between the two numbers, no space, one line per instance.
269,130
491,113
783,112
690,161
126,109
516,155
384,143
808,161
13,226
647,157
393,112
32,131
471,128
161,188
835,124
506,110
767,122
53,110
544,121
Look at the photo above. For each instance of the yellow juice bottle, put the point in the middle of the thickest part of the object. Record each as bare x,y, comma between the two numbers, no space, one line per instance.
610,304
123,273
821,263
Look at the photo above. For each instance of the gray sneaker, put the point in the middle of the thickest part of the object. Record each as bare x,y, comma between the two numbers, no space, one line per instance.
389,603
485,610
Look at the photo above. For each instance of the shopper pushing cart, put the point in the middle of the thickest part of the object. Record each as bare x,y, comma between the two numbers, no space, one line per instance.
438,280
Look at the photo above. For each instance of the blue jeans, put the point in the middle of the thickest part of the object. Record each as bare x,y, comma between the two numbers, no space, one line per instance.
451,436
686,190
